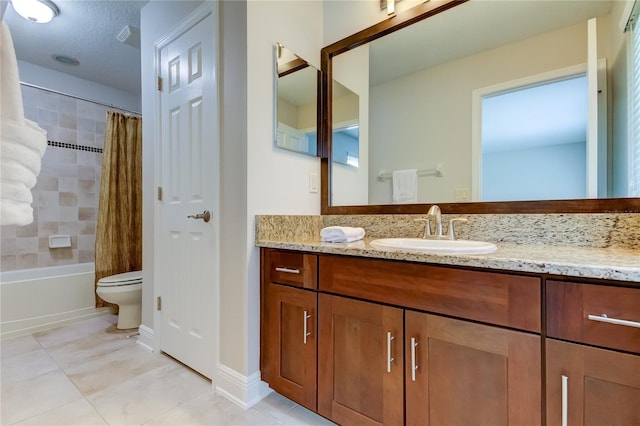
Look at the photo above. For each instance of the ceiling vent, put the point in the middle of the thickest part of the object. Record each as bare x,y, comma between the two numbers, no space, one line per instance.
129,35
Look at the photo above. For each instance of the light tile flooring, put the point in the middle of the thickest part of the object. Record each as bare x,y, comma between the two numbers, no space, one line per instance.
90,373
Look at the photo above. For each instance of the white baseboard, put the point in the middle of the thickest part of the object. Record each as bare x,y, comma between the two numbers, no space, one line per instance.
245,391
27,326
146,337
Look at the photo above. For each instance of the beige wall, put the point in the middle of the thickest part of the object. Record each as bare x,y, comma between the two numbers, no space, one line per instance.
65,196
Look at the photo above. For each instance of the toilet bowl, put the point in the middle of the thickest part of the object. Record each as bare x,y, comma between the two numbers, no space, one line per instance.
124,290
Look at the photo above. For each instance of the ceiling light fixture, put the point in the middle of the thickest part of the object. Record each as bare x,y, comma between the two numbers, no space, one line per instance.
67,60
38,11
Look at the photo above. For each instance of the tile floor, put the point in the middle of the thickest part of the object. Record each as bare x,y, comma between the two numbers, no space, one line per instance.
90,373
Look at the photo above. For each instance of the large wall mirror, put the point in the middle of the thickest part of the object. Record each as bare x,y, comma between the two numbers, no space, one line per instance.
295,109
505,107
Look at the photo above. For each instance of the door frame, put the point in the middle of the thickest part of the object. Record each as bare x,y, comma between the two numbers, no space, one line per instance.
195,17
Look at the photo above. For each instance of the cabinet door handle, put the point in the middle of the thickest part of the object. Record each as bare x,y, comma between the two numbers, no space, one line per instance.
616,321
414,366
288,271
565,398
389,357
305,332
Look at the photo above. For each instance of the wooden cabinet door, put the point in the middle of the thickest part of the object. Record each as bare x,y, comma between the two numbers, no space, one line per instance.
461,373
601,387
360,362
289,343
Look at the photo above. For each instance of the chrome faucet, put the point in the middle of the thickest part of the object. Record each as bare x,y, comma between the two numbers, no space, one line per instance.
435,213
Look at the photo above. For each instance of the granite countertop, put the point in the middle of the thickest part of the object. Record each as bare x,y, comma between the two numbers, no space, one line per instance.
622,264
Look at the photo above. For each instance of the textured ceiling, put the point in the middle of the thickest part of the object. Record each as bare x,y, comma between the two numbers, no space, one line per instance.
86,30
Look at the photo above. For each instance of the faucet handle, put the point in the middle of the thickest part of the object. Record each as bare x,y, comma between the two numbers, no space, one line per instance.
427,226
451,232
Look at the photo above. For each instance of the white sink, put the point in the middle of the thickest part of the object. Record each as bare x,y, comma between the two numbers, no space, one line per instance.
434,246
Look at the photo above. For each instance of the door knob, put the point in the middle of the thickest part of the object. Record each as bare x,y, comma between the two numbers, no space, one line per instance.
205,215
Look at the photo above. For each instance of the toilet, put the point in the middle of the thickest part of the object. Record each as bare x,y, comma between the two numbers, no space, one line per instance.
124,290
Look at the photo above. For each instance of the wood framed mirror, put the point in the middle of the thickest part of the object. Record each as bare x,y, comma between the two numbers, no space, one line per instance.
420,15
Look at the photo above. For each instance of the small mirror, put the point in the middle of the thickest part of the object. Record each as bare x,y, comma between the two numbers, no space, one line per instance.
296,119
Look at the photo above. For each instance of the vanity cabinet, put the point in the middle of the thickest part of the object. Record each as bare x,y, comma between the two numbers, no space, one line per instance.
360,348
591,386
587,385
463,373
380,363
417,344
288,325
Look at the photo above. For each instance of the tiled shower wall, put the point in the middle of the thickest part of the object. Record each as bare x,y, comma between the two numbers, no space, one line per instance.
65,199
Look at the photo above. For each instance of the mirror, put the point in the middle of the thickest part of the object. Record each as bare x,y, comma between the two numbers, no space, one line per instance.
296,86
417,116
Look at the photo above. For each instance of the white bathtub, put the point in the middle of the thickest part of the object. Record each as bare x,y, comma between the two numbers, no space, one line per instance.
37,299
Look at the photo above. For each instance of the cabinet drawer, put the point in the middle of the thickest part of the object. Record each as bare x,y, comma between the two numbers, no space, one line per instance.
576,312
292,268
495,298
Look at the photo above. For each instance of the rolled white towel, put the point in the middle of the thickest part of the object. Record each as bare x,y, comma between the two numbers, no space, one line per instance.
341,234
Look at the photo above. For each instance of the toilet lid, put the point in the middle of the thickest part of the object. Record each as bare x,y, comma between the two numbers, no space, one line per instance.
126,278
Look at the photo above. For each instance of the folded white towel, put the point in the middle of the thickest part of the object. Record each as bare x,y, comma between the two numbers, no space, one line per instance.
341,234
22,142
405,186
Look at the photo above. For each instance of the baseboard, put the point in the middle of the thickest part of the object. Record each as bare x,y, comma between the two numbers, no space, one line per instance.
146,337
22,327
245,391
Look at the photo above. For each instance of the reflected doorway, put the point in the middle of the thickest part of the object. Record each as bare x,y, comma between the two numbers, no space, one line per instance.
534,141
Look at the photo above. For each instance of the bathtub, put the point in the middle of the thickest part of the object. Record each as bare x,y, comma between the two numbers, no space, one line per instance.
38,299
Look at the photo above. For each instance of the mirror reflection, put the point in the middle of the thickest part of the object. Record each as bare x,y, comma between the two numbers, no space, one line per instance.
296,102
469,92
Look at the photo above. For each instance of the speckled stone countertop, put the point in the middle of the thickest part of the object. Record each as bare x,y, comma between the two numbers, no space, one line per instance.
619,260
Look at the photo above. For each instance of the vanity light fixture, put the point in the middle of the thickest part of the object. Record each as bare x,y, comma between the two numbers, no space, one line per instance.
38,11
389,5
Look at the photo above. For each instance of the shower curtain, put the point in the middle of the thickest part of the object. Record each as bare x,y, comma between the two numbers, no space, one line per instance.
119,225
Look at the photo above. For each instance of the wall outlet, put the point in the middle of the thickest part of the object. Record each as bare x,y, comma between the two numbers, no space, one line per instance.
463,194
313,182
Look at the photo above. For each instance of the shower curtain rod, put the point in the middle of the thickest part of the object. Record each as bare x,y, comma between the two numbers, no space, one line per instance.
82,99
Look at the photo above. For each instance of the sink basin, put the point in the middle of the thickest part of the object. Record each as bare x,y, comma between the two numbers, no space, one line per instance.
435,246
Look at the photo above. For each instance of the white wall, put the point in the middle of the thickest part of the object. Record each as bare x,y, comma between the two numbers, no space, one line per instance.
277,180
74,86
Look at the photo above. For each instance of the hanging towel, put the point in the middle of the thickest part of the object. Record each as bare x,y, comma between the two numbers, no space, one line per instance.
341,234
22,142
405,186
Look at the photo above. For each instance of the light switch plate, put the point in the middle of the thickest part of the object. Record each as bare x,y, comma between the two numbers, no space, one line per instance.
313,182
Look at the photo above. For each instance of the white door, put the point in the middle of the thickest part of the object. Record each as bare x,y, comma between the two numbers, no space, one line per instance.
187,271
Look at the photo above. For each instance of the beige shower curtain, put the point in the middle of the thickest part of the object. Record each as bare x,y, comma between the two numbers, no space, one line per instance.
119,226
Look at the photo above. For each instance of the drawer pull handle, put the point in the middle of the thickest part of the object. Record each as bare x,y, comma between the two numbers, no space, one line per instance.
605,318
305,332
389,357
414,366
288,271
565,400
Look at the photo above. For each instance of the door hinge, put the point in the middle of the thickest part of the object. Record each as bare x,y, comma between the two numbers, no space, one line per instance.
160,83
159,303
159,193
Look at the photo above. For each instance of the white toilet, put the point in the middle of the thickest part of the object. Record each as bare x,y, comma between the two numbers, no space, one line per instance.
124,290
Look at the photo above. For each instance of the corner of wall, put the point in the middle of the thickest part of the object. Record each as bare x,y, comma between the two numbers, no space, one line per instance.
244,391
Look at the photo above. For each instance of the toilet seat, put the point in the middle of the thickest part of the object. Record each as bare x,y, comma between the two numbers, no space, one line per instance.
124,279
